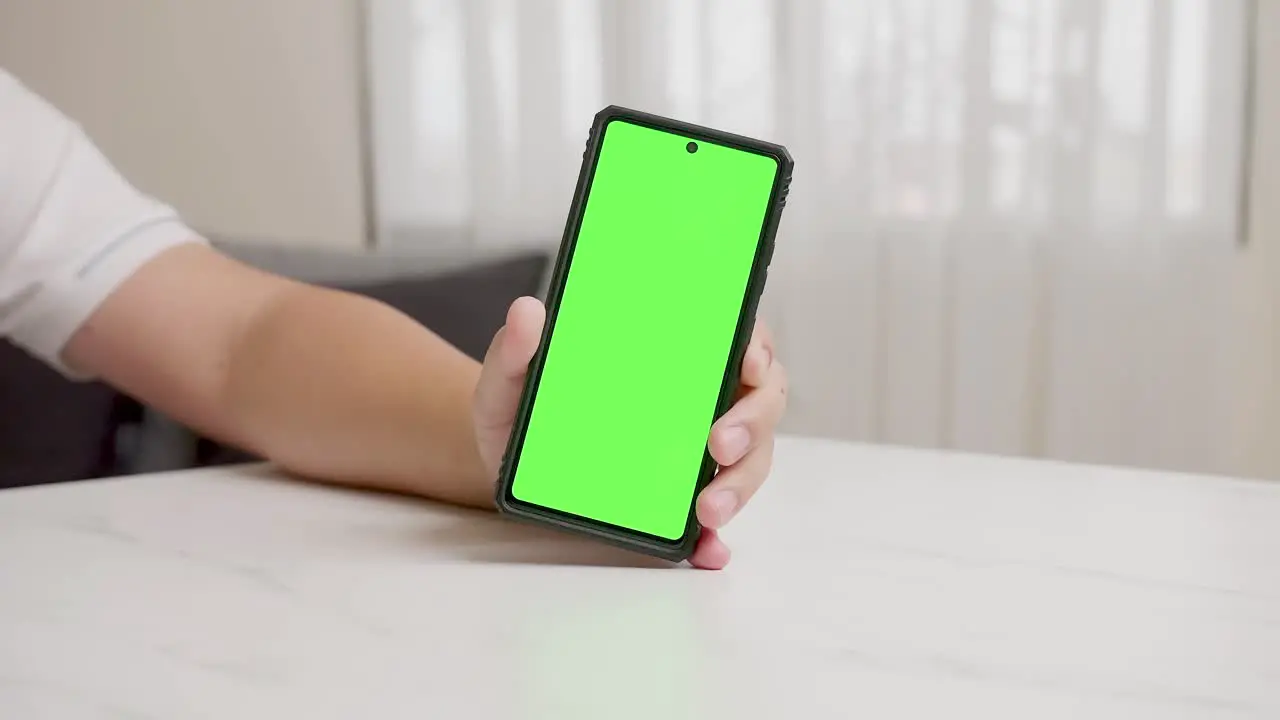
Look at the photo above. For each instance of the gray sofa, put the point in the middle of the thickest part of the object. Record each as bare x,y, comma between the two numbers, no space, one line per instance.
52,430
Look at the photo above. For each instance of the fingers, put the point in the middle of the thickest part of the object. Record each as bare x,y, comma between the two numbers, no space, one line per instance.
507,361
752,419
741,441
734,486
711,552
522,333
759,357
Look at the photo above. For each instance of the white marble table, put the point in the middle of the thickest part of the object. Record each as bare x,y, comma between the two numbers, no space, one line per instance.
867,583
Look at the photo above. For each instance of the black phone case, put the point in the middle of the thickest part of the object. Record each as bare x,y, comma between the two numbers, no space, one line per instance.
618,536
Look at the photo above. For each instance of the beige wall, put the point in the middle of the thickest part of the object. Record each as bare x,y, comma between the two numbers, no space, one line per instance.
1257,431
242,113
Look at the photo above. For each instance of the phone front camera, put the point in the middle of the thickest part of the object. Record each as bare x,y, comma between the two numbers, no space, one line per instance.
692,147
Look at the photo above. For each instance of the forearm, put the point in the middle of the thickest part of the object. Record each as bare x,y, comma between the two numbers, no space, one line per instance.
342,389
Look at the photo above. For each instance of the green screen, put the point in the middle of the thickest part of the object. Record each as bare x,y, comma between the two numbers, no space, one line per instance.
646,323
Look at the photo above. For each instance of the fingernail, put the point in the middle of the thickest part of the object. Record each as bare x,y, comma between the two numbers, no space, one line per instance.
724,503
735,441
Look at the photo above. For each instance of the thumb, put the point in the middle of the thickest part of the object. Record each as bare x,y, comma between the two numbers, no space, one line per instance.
506,363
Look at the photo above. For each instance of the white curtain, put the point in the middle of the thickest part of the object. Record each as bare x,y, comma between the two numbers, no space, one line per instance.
1012,222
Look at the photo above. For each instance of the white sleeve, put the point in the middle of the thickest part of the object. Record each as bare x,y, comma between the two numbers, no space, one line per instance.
71,228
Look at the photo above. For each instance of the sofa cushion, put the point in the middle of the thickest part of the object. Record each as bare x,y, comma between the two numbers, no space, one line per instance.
52,430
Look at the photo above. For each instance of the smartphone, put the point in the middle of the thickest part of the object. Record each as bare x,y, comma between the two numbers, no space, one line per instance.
650,308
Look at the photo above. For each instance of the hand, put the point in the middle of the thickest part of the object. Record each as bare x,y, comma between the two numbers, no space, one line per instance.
741,441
